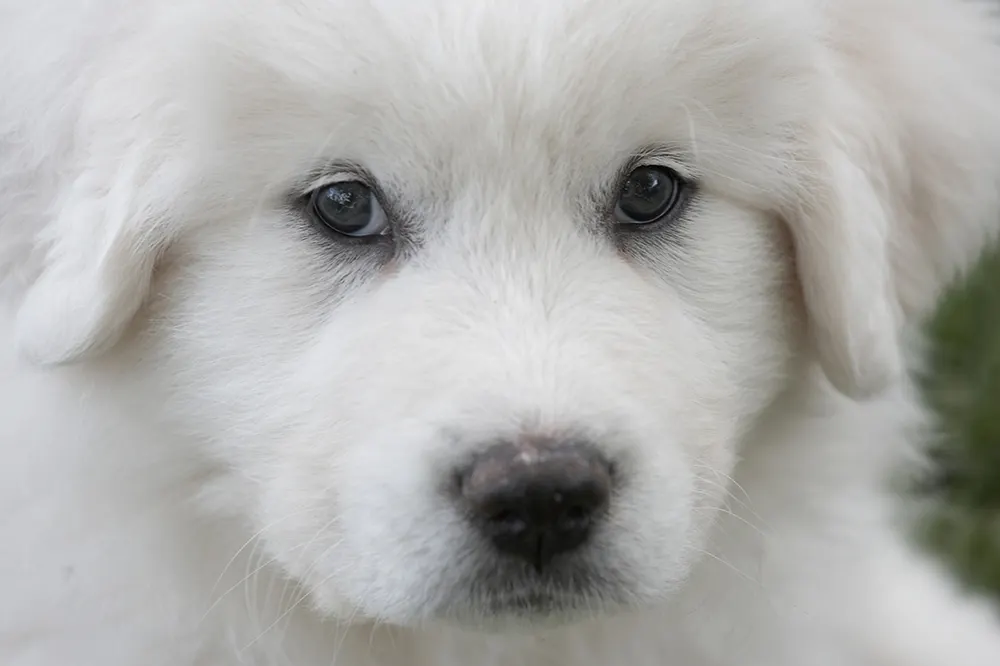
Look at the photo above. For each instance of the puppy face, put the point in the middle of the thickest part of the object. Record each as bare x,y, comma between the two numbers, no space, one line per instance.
469,303
559,244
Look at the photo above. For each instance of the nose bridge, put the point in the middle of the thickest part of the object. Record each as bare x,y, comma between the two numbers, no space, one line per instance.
522,290
522,254
529,314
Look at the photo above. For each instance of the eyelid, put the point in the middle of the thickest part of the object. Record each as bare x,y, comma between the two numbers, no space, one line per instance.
332,178
330,173
662,161
666,156
677,167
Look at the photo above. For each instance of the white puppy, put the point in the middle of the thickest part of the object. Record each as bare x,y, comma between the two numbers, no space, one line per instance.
479,333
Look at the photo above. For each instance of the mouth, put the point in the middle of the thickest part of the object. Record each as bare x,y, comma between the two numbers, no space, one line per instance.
526,610
535,604
510,593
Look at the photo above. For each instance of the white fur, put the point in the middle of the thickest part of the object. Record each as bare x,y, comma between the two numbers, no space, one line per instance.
223,433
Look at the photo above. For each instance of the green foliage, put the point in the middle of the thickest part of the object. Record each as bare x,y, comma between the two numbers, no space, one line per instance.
963,386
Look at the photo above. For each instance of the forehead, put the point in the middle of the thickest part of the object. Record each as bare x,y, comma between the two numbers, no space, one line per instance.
479,86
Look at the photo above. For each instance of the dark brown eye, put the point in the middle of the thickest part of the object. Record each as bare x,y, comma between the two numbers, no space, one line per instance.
649,194
349,208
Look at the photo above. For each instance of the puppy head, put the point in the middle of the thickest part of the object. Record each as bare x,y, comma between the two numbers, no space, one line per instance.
425,276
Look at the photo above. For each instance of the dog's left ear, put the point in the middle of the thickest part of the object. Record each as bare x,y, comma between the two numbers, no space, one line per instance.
98,252
903,191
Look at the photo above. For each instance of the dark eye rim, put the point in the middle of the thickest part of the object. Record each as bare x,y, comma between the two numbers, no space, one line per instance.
685,191
308,202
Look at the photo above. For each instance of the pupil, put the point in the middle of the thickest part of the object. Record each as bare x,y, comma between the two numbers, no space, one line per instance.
346,206
645,195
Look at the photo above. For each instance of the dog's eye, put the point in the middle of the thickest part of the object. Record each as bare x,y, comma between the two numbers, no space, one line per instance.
349,208
649,194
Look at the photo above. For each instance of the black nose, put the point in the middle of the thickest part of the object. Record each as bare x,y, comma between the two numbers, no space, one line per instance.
534,500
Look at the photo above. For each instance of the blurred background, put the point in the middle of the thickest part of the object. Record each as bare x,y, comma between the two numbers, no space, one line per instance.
961,520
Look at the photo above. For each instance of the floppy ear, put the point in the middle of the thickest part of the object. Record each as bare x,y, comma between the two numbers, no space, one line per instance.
99,253
841,236
905,194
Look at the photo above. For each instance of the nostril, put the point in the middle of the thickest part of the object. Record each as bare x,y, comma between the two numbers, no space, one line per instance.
508,522
505,517
577,514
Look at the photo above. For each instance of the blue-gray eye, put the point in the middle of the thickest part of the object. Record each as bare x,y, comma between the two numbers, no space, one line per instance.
349,208
650,193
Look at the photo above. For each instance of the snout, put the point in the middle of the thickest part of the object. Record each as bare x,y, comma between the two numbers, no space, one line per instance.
524,465
536,499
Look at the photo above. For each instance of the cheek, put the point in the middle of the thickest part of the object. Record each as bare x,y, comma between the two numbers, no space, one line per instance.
235,308
734,271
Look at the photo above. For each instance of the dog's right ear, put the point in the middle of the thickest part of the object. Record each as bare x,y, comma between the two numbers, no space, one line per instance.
98,255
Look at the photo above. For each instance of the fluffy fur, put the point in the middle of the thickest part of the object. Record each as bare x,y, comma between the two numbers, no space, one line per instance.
223,432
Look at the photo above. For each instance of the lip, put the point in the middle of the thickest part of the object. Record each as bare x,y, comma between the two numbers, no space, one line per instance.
536,600
526,610
531,602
